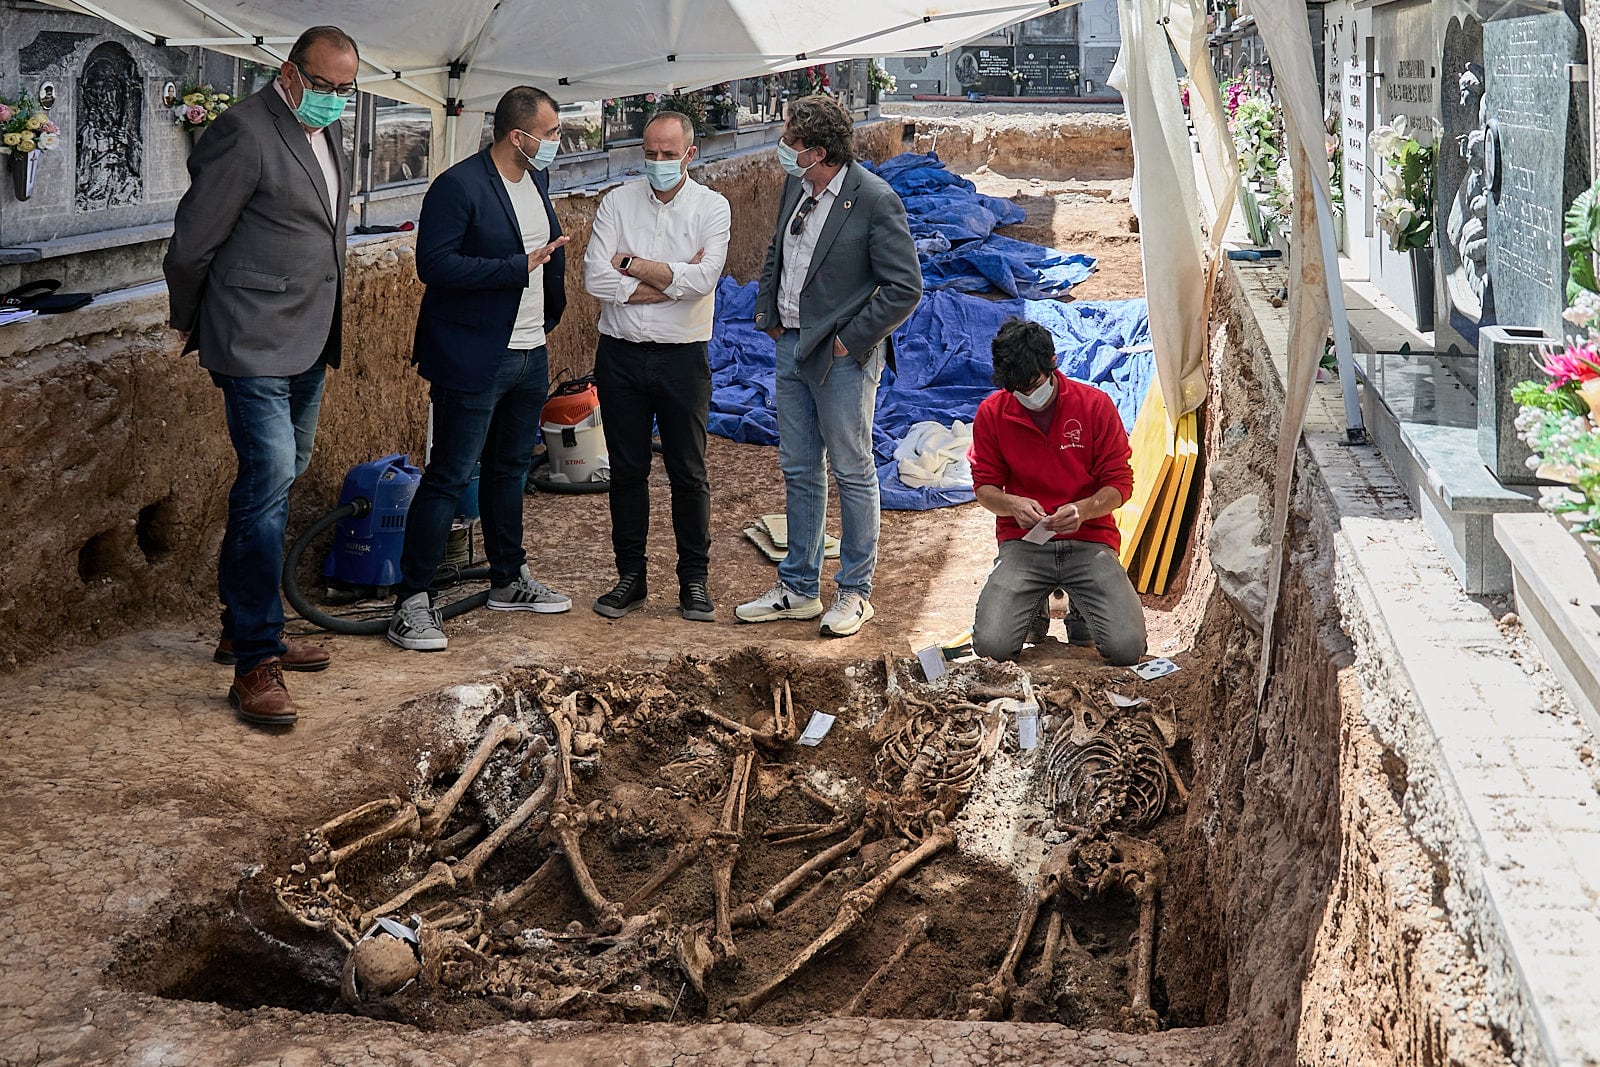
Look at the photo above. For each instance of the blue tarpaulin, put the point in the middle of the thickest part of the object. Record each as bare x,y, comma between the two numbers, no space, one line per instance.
942,369
942,351
953,225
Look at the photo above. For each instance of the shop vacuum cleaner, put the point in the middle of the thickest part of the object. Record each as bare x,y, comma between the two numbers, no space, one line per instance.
370,522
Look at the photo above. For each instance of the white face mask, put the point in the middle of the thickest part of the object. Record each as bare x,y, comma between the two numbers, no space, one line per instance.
1040,398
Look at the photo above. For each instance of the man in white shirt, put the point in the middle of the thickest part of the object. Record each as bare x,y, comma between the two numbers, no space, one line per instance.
653,262
489,250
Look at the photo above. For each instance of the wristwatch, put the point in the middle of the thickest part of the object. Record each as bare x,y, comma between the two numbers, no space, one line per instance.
627,261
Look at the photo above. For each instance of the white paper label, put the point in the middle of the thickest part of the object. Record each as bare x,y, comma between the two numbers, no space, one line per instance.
1120,701
817,729
1156,668
932,660
1027,727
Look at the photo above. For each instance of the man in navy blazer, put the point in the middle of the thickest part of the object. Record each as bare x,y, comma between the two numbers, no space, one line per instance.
489,250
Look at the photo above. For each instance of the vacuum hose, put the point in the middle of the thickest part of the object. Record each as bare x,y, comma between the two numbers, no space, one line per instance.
308,611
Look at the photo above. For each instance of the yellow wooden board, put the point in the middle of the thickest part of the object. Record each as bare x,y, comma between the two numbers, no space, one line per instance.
1153,452
1155,532
1188,441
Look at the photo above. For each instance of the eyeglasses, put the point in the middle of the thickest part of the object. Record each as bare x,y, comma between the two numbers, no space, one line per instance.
807,206
323,86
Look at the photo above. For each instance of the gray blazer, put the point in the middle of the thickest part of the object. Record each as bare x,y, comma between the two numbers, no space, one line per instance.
863,280
255,268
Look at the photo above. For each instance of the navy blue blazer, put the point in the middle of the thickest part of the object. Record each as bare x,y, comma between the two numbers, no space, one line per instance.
470,257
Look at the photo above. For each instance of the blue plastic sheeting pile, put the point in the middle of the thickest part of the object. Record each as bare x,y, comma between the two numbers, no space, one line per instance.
953,226
942,371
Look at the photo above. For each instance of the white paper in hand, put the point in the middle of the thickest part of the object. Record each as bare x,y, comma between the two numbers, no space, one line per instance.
817,729
1040,534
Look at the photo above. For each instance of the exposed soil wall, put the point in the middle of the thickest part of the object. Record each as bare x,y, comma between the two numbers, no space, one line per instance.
1340,946
115,464
1058,145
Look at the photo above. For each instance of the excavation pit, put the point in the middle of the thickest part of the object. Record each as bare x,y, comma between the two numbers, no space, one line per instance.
654,778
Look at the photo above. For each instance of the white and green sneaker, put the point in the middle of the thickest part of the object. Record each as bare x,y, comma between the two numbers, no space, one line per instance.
779,602
849,612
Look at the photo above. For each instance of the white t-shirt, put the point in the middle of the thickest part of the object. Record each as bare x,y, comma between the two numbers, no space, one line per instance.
535,227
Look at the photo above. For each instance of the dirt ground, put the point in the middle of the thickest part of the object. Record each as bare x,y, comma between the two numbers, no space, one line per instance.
138,808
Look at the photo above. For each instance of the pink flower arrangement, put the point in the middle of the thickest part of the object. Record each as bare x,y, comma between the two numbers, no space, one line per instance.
1574,364
1233,95
195,114
5,113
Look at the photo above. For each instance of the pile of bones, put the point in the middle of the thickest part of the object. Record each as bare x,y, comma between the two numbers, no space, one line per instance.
1105,772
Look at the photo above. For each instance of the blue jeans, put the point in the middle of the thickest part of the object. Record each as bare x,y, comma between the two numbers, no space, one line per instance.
830,422
271,422
501,425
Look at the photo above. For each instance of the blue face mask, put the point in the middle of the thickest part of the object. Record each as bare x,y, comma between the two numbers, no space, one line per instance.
544,156
790,161
318,110
664,174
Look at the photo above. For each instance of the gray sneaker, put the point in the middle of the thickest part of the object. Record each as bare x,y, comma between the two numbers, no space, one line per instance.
417,625
526,594
850,610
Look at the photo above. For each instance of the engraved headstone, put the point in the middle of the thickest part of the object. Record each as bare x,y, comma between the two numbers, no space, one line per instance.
1535,160
110,132
1406,37
1465,294
1535,163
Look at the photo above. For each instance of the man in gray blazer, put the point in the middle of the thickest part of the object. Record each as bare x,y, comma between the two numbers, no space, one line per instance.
841,273
255,277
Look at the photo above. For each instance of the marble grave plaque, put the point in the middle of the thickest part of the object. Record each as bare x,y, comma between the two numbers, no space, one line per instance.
1535,162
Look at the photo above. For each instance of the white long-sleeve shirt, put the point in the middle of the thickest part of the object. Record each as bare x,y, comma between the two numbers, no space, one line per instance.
632,220
799,248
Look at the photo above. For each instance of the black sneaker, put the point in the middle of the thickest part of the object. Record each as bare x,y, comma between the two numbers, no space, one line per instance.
627,594
695,602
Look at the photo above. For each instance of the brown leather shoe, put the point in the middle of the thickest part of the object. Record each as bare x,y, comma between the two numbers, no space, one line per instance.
260,698
299,655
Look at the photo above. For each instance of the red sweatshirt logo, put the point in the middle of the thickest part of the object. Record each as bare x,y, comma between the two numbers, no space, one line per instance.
1072,434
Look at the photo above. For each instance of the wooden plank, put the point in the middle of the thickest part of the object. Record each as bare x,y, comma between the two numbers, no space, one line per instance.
1188,440
1152,443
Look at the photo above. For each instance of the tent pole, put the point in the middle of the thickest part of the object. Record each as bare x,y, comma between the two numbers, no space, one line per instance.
452,110
1355,423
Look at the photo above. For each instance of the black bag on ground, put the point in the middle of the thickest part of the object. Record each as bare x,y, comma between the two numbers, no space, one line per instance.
41,296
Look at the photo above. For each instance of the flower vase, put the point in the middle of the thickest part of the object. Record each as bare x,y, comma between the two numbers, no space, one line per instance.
24,169
1422,287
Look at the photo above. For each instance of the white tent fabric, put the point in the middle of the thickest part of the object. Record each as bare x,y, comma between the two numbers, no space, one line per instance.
1313,271
587,50
1167,203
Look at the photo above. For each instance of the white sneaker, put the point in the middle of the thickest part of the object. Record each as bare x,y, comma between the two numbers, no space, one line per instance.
417,625
850,610
779,602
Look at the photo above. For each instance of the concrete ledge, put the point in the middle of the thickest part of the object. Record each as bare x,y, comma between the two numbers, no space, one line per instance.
1558,598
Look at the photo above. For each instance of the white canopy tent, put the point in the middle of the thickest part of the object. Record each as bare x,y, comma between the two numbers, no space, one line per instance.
469,52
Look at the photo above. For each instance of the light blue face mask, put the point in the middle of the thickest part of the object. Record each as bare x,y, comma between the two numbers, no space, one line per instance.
790,160
544,156
664,174
318,110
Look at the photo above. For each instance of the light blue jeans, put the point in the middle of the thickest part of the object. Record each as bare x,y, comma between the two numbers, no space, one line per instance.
831,423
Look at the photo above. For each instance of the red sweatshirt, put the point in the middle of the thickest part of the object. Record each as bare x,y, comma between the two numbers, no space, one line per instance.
1085,451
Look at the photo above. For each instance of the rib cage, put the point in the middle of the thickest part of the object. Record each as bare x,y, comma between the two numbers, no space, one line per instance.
1105,772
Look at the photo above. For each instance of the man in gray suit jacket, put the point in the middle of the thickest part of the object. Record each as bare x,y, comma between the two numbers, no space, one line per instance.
841,273
255,277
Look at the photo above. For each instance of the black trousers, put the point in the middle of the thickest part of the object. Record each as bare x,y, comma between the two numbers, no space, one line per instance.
669,385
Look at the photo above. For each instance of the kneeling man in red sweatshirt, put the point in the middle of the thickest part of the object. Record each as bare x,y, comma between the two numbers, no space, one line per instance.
1050,458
